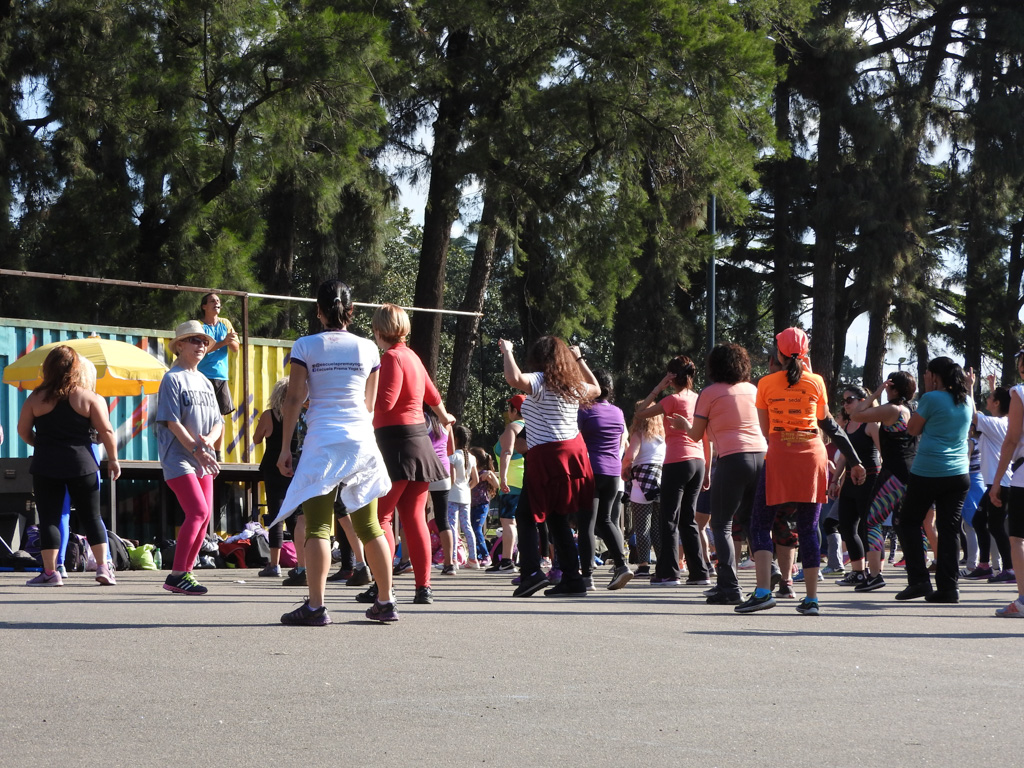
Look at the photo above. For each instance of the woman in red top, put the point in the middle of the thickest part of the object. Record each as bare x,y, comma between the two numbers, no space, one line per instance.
402,390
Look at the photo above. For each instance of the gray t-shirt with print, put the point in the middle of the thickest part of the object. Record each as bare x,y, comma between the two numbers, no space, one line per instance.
186,397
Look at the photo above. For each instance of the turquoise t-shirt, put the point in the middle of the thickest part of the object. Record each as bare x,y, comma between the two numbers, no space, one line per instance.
942,448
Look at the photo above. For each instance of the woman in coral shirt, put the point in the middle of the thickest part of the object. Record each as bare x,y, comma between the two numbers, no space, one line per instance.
408,453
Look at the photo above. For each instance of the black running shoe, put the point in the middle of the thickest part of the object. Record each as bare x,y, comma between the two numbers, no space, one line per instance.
185,584
369,596
567,589
753,604
295,578
304,617
531,584
341,575
424,596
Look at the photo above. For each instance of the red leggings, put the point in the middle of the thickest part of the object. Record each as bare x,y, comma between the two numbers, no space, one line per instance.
195,494
410,498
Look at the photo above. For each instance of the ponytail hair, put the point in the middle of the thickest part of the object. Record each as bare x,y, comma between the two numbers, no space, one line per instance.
952,377
794,369
905,385
334,300
462,437
683,370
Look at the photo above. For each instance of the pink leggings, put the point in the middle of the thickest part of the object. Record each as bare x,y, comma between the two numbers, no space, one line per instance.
195,494
410,498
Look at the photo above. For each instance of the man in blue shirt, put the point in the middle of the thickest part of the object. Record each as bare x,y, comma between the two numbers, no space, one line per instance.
214,364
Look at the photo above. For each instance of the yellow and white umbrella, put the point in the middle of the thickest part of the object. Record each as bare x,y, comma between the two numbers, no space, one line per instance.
121,368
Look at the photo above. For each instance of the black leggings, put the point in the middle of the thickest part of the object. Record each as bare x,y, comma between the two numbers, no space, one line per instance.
947,494
598,520
732,493
680,487
439,501
854,504
990,520
276,488
85,496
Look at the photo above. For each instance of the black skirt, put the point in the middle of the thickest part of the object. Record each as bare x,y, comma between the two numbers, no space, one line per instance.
409,454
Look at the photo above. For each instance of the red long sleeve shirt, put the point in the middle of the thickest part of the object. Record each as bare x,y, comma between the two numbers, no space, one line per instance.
402,389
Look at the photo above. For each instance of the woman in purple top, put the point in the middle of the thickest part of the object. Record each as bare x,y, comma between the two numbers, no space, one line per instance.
604,431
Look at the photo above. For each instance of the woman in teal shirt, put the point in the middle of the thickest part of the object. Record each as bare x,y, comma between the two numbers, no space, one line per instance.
939,476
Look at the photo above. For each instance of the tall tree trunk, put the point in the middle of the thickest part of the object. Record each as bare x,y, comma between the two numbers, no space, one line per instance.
783,245
823,320
467,330
278,258
874,354
1012,342
442,209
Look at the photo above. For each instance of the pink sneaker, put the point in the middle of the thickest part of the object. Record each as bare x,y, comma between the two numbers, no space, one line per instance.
42,580
105,576
1013,611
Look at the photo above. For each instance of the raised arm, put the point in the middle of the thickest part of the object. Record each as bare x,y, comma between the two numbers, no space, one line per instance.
513,375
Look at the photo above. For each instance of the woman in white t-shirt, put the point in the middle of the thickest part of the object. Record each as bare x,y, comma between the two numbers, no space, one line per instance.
559,480
337,371
1011,450
464,477
641,469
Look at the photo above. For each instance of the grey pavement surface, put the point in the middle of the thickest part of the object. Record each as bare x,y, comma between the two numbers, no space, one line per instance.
135,676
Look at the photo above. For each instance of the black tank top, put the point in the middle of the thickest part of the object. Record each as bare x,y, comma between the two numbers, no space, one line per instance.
63,445
272,447
898,447
865,448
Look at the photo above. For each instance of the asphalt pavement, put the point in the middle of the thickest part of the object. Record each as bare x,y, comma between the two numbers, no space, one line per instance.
133,675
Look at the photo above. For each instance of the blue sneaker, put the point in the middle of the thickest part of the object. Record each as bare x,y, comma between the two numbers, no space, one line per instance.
799,576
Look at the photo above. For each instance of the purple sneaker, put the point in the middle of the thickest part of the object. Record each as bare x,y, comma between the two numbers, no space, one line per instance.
304,616
1003,577
382,612
554,576
42,580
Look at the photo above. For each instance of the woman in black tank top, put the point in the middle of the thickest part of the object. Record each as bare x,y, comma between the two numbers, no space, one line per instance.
56,419
855,500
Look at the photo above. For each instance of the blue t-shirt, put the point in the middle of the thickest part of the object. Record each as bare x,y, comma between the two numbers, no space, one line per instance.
942,447
214,365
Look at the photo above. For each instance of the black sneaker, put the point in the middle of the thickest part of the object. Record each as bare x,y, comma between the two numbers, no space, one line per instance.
295,578
369,596
185,584
304,617
502,566
382,612
424,596
914,591
785,590
721,598
530,584
360,577
852,579
567,589
753,604
808,607
403,567
943,596
342,574
870,584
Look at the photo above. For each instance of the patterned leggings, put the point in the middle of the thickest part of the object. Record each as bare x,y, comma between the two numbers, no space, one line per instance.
646,529
889,492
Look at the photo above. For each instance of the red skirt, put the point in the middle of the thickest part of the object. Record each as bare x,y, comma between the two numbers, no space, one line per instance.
559,479
796,469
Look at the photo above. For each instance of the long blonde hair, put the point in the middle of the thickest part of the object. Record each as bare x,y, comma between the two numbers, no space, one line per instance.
649,428
277,396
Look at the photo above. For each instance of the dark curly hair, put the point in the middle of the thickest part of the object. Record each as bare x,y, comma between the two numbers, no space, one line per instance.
728,364
550,355
604,381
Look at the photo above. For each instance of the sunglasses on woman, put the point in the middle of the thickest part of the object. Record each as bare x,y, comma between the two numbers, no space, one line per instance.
197,340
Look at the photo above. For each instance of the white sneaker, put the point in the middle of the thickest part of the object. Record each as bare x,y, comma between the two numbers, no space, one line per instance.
746,564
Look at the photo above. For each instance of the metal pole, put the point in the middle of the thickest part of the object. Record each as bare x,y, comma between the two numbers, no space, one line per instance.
711,277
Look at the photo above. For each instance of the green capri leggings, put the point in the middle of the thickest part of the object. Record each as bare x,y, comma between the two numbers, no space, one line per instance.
319,513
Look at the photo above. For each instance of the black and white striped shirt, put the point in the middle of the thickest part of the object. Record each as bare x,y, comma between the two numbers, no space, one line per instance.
548,417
